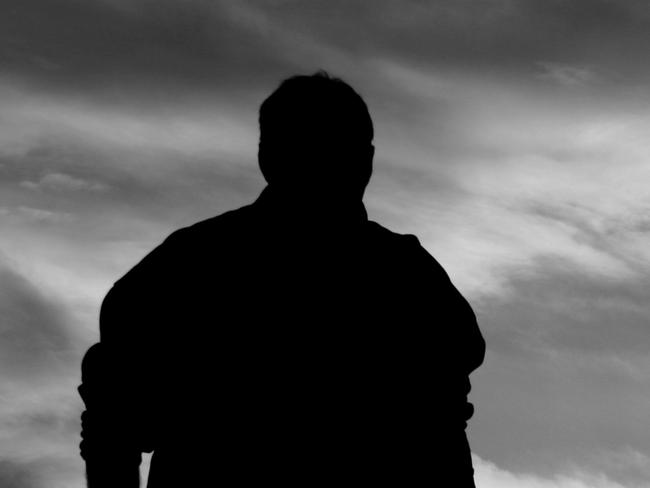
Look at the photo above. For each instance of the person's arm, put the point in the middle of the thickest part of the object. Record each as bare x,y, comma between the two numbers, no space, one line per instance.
458,345
111,460
460,325
116,425
119,421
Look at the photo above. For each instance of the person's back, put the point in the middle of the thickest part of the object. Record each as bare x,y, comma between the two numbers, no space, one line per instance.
291,340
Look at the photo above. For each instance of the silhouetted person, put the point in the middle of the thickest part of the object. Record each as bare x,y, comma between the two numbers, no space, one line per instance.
291,341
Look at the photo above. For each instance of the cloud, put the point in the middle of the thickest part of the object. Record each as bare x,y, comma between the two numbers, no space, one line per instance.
18,475
65,160
35,337
559,306
486,37
489,475
52,472
567,353
43,422
168,44
566,74
123,120
36,215
152,52
525,175
200,127
63,182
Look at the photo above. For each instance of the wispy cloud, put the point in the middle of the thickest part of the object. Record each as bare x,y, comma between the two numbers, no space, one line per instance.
518,177
566,74
62,182
39,357
488,475
19,475
36,338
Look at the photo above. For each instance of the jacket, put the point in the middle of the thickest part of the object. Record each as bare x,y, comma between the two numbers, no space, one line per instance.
265,344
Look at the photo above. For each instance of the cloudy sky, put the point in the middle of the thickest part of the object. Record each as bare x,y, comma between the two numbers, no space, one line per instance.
513,137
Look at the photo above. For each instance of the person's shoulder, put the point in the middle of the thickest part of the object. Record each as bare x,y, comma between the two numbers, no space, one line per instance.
231,220
204,230
164,270
407,245
185,244
379,232
386,237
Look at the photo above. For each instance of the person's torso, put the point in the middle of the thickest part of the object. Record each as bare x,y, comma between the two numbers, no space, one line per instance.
296,350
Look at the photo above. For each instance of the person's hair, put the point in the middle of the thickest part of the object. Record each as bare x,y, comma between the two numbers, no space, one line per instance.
316,100
316,119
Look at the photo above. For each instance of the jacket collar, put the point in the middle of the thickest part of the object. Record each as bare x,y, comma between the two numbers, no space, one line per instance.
280,209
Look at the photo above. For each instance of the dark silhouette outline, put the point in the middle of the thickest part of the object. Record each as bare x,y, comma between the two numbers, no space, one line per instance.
291,340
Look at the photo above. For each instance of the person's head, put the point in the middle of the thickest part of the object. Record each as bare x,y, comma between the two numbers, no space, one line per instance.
316,139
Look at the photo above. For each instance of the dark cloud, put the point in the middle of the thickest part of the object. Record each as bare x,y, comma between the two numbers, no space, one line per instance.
15,474
35,335
162,48
40,472
465,30
566,356
560,307
158,47
490,35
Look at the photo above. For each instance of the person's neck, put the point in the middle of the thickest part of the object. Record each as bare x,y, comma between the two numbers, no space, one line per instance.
308,211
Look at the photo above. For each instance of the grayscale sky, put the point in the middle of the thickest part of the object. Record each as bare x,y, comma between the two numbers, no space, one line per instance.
513,137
